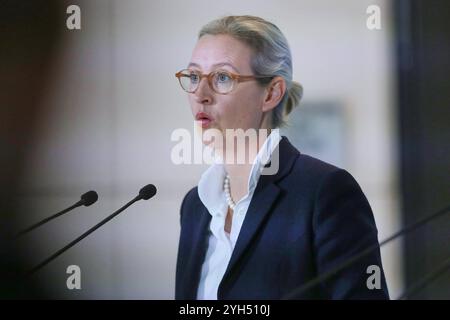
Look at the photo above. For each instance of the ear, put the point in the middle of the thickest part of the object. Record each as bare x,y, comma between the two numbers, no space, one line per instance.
274,93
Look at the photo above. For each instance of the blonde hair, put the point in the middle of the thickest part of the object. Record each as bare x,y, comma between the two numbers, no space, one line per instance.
272,56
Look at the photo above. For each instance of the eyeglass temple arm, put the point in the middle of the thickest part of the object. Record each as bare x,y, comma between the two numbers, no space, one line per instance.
247,78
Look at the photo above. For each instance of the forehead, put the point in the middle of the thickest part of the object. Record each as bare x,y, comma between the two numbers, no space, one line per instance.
211,50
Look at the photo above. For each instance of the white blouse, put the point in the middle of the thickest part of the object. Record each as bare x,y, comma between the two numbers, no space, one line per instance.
220,243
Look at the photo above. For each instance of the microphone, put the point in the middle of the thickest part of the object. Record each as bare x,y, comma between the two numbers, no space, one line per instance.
86,200
145,193
316,281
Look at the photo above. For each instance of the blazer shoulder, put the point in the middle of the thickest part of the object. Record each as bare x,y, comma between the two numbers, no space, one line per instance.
314,175
313,171
315,166
304,165
191,195
190,200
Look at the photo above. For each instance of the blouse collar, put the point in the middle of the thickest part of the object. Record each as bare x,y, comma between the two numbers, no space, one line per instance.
210,186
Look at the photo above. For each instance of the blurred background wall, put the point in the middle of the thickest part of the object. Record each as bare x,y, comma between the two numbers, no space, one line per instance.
111,102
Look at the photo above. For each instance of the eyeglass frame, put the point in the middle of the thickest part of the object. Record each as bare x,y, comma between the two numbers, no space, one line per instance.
236,77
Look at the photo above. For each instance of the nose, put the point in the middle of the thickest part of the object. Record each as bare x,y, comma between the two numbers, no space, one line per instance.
203,94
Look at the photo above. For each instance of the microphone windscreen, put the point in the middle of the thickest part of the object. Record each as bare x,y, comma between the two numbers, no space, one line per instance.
89,198
147,192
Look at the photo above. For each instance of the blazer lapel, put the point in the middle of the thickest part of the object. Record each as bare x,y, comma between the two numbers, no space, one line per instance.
264,197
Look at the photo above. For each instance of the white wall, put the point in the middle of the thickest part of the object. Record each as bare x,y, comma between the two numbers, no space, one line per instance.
115,101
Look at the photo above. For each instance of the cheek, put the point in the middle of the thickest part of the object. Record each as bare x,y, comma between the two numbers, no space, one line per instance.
244,110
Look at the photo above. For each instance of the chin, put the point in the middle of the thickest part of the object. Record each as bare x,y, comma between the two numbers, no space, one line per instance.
205,134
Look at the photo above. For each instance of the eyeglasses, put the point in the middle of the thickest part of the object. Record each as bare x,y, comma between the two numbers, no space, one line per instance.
220,81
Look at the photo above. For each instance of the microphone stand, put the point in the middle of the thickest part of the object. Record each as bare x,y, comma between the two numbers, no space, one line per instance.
145,193
34,226
87,199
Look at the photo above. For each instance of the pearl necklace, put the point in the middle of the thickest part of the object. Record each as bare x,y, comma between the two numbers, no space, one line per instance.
226,188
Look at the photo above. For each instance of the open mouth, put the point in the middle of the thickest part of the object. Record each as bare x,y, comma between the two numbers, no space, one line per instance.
204,119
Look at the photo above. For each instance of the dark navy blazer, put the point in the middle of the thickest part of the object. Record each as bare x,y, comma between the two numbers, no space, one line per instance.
302,222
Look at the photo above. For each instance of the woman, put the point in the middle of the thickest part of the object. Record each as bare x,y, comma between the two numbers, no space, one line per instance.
250,235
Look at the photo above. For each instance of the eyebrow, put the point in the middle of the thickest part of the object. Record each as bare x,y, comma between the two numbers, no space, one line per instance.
221,64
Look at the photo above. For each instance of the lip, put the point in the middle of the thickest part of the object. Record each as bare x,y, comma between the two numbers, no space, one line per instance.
204,119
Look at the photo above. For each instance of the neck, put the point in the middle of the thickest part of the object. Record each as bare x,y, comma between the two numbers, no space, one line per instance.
239,173
238,180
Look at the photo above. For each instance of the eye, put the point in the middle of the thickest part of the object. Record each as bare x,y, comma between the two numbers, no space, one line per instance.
223,77
194,77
